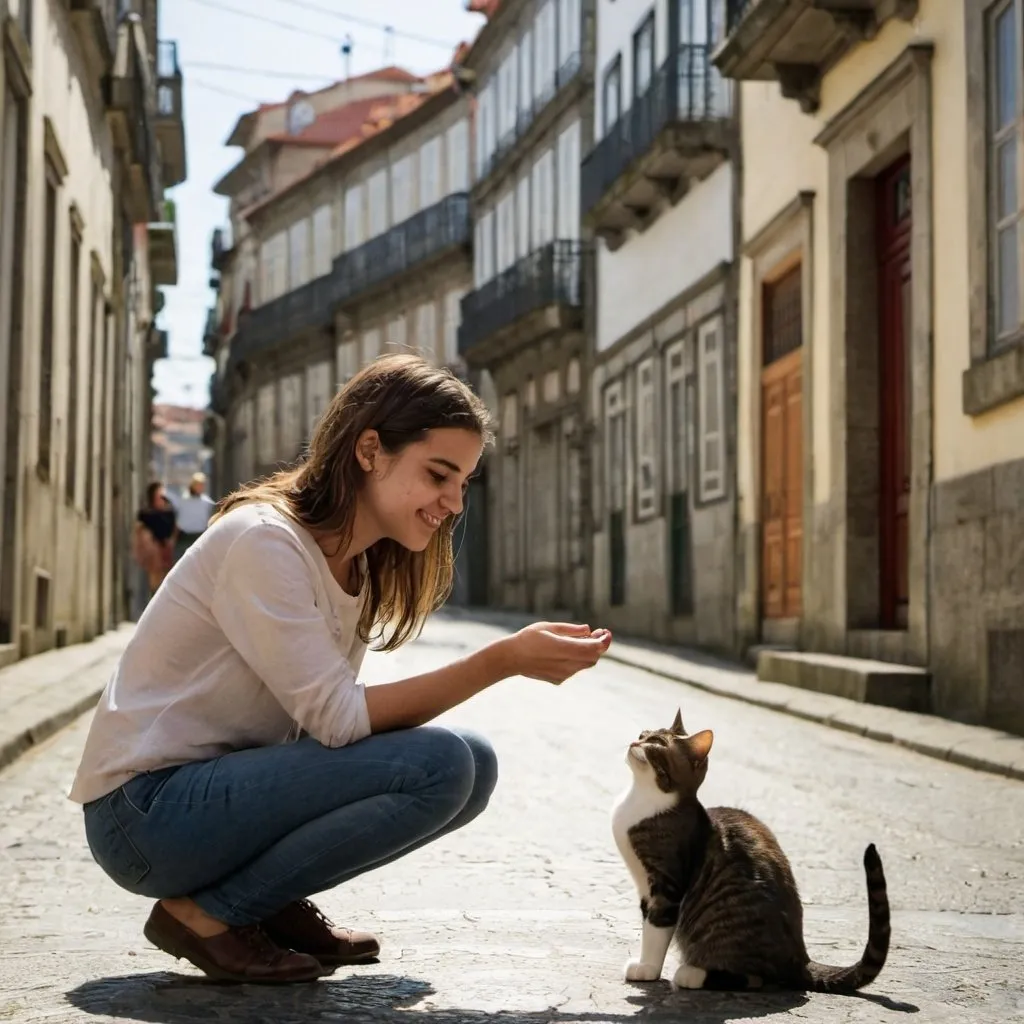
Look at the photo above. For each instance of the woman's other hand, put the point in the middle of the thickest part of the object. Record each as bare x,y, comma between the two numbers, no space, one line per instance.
554,651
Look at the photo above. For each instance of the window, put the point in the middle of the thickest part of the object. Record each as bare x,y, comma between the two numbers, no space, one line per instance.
506,240
266,434
46,350
74,380
291,416
457,138
569,182
401,192
319,378
377,197
323,240
643,56
545,53
523,216
646,442
543,199
568,30
430,172
452,318
486,127
611,102
711,403
615,474
484,253
526,73
1005,109
298,254
273,267
348,360
355,226
371,345
676,421
396,333
426,329
680,569
96,372
242,436
507,95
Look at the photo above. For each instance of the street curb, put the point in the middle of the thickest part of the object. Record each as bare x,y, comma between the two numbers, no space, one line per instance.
14,747
970,746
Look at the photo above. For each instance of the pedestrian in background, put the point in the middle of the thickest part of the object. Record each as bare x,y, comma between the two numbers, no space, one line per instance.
153,536
193,513
235,765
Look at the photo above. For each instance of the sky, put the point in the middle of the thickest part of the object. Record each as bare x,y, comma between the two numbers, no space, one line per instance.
235,54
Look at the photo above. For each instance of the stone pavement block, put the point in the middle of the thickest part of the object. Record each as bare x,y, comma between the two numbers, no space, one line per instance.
528,915
42,694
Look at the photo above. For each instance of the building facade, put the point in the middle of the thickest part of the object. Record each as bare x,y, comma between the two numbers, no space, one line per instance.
366,253
177,449
659,192
524,324
92,133
881,368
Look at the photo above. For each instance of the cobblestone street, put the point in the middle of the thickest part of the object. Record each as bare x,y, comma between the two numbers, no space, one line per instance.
528,916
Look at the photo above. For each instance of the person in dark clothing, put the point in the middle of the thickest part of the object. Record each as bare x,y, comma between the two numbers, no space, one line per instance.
154,534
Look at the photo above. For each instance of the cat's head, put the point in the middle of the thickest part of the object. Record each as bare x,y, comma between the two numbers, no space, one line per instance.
670,759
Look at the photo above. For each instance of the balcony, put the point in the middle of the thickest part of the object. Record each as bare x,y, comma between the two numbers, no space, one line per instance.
95,22
170,121
220,249
218,396
794,42
676,133
425,237
132,102
540,294
163,247
306,309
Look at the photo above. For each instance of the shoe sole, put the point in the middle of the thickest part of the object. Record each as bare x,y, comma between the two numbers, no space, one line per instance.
181,952
331,963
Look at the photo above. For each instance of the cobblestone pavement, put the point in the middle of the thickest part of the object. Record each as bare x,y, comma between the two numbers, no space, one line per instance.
527,916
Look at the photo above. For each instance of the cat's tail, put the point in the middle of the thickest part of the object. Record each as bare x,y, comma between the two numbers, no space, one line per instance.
821,978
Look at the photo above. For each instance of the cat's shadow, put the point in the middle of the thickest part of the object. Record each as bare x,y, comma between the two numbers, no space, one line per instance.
166,998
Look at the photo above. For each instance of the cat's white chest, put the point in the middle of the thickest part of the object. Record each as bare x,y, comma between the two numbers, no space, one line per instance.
636,804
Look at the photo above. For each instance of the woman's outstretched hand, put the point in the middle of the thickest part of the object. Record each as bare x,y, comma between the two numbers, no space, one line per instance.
554,651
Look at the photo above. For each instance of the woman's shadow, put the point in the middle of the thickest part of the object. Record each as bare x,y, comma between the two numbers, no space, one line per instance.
165,998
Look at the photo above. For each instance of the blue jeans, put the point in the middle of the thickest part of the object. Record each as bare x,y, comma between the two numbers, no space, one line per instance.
245,834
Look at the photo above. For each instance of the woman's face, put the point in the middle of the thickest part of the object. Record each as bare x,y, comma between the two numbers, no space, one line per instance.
409,495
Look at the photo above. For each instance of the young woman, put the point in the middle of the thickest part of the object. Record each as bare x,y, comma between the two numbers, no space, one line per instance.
235,766
153,536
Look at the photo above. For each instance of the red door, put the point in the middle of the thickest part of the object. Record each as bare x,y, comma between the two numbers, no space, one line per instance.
894,304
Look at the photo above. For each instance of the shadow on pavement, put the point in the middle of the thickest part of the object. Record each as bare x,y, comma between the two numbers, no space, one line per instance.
165,998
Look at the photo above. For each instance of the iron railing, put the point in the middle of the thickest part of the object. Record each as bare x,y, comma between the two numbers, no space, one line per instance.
735,11
549,276
210,333
687,88
406,245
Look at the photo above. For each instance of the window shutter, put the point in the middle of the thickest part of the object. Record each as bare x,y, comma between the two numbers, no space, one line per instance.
711,399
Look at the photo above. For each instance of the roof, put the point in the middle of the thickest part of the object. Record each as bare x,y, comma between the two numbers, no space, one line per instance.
333,126
391,73
488,8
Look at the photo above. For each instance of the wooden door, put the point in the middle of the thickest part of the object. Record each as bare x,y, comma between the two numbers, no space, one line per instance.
782,449
894,304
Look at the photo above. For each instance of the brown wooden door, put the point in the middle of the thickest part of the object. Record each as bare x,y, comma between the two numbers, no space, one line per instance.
782,463
894,289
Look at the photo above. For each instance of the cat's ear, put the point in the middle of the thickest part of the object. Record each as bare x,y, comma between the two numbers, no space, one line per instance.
677,724
700,745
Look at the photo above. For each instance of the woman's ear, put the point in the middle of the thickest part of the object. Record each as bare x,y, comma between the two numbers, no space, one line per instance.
367,447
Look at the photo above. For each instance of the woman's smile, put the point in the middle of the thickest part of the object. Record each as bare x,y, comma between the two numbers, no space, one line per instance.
431,520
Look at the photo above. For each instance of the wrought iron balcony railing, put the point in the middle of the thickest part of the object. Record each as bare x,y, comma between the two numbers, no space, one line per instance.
423,236
686,89
549,276
170,126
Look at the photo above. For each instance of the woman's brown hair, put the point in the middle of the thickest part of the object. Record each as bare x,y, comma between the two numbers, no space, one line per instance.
401,397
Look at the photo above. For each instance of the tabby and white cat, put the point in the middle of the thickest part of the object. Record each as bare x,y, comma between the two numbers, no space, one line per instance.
717,882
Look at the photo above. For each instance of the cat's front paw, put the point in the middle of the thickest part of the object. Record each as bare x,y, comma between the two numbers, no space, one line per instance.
636,970
689,977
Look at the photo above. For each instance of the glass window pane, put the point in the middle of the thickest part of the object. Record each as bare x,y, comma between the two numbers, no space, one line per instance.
1009,281
1005,71
1006,170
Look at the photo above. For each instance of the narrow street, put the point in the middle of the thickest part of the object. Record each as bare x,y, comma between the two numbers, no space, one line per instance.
528,916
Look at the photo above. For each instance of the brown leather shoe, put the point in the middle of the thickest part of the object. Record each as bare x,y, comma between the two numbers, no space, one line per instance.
239,954
303,926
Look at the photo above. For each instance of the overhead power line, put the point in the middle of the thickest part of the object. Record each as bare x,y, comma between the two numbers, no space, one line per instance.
318,34
257,72
199,84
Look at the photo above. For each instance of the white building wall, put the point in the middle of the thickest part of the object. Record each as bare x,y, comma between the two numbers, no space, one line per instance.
683,245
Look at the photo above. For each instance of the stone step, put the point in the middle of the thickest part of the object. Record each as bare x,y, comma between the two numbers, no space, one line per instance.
753,652
861,679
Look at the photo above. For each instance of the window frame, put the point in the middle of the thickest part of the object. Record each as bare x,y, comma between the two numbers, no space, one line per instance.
712,485
614,67
647,24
